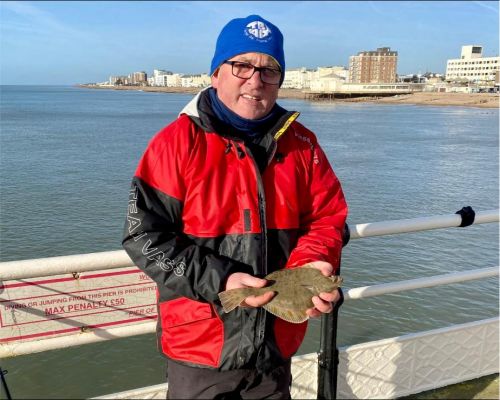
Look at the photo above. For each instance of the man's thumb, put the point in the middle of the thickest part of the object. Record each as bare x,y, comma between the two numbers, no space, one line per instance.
253,281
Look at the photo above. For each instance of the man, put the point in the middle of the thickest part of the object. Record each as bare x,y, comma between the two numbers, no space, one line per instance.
232,190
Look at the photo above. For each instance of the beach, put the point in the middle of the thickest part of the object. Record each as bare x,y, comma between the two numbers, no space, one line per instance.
482,100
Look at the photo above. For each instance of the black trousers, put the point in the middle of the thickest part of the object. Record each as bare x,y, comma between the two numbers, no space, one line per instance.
186,382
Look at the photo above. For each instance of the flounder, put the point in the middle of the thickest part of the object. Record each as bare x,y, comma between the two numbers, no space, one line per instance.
294,289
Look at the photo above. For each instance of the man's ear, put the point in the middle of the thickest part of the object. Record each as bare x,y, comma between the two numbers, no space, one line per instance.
215,78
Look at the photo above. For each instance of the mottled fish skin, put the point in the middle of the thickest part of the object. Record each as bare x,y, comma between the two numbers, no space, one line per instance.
294,290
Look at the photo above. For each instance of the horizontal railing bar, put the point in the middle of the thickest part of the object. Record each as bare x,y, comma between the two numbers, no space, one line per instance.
419,283
39,267
418,224
12,349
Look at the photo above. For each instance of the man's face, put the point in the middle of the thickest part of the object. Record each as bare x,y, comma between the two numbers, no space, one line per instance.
249,98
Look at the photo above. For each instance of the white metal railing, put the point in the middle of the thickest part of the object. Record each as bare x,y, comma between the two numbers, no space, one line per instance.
101,334
116,259
419,283
23,269
418,224
39,267
14,349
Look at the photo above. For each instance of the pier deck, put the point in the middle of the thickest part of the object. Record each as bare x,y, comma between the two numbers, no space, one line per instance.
310,95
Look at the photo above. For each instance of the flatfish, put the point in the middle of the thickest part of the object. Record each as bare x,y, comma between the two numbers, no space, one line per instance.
294,288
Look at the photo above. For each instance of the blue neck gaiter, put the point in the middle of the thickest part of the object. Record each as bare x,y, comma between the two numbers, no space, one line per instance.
250,127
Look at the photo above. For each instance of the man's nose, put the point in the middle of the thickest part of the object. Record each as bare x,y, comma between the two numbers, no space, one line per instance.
255,79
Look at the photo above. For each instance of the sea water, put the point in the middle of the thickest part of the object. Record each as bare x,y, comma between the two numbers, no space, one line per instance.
67,156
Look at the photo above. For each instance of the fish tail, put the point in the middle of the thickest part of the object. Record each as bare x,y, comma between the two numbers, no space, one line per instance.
230,299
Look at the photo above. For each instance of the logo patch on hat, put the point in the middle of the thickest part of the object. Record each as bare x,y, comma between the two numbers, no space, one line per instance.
258,30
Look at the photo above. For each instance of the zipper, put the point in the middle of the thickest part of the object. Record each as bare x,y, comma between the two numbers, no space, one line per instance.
261,313
279,133
239,150
261,201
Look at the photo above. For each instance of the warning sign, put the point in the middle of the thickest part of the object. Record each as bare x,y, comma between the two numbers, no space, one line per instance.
66,304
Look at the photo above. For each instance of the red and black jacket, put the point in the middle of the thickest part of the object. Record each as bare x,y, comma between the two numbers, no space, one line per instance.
200,209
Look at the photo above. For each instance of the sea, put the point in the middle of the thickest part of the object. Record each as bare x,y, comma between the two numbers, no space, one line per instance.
67,155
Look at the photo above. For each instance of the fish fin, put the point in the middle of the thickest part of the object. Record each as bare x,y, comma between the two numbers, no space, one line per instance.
230,299
337,279
293,316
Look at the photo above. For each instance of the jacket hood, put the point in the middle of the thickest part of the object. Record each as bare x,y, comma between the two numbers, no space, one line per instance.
191,108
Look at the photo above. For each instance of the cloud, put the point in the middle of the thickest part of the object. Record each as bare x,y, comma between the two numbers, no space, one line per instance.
487,6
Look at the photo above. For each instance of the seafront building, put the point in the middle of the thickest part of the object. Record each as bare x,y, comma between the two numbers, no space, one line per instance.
200,80
135,78
369,72
173,80
117,80
329,79
339,72
297,78
138,78
324,77
473,67
377,66
169,79
159,77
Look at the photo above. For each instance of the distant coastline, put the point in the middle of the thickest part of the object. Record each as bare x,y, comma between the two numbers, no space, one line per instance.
482,100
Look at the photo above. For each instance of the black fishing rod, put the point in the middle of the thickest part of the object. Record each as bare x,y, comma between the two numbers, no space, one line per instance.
4,383
328,357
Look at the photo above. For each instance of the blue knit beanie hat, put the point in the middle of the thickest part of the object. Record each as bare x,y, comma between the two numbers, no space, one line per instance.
252,34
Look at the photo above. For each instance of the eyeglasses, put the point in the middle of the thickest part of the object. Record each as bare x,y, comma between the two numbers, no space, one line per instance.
244,70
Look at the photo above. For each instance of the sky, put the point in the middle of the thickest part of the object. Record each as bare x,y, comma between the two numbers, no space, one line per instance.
66,42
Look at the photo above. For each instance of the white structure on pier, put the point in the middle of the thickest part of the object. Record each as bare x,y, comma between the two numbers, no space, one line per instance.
321,79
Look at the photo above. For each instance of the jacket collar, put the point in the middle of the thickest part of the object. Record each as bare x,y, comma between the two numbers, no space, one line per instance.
201,113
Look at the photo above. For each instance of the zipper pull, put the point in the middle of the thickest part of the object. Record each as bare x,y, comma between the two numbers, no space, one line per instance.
228,148
241,153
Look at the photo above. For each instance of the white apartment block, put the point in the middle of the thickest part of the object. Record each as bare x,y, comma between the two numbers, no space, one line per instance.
173,80
159,77
202,80
472,66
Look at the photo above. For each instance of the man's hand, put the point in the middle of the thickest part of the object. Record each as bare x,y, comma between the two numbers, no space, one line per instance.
243,280
323,302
